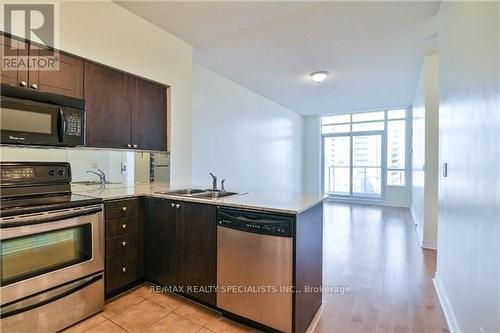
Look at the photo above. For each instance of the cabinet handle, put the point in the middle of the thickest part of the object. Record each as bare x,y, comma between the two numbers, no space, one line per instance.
129,145
124,269
124,244
23,84
172,204
124,226
177,206
124,209
135,146
34,86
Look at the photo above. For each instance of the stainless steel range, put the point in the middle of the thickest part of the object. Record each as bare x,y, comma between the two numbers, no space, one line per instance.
51,249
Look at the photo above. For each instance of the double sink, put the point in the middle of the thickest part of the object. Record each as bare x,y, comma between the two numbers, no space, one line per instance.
198,193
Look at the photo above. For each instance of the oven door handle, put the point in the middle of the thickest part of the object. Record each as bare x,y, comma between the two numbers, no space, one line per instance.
45,297
50,217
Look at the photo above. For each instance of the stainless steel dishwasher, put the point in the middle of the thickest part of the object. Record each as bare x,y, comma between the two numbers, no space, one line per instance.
254,266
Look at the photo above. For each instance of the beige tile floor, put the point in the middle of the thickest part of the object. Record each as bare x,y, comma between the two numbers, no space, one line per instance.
141,310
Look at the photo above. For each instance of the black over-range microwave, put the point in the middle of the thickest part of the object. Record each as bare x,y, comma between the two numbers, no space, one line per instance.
30,117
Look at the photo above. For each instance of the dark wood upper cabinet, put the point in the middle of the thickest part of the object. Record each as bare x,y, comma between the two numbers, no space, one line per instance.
107,107
148,114
160,242
12,51
197,250
66,80
123,111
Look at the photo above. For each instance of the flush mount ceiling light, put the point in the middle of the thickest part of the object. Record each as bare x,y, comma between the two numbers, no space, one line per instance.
318,76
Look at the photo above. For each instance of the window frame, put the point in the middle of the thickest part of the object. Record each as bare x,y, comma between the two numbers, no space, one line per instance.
407,141
384,131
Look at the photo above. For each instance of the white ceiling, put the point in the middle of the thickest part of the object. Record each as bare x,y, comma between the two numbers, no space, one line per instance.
373,50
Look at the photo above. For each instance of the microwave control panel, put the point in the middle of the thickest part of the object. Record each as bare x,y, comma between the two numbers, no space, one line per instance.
73,124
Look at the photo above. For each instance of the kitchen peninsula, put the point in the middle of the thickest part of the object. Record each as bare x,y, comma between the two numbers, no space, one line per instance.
195,244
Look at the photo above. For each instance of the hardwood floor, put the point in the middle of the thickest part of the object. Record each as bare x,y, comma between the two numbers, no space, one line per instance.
374,252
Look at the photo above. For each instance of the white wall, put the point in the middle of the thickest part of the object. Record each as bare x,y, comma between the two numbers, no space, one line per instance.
107,33
142,167
468,267
311,155
425,143
252,142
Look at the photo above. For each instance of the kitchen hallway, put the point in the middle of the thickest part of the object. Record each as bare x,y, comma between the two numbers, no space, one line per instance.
374,251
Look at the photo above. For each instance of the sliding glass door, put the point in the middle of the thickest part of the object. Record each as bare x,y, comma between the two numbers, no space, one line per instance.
337,165
352,164
367,165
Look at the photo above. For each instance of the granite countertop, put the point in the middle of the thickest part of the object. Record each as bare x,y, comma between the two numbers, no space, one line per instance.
272,201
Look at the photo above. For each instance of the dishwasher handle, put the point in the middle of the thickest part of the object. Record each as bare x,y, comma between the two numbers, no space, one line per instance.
254,222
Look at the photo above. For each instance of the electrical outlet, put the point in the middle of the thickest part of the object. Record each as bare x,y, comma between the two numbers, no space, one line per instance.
94,165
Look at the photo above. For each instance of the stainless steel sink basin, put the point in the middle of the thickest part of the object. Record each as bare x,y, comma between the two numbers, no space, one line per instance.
215,194
188,192
197,193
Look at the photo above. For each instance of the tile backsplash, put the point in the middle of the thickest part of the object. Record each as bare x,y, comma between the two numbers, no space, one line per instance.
118,165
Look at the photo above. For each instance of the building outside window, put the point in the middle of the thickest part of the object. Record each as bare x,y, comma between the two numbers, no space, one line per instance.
364,152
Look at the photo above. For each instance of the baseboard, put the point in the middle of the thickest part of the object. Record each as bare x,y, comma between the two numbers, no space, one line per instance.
316,318
415,226
445,305
372,202
431,245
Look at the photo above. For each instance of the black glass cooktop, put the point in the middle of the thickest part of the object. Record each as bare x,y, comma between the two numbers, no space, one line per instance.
35,204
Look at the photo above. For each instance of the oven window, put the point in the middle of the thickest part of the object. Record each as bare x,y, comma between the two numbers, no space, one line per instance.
32,255
26,121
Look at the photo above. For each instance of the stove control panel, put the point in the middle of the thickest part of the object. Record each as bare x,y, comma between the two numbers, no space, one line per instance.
19,173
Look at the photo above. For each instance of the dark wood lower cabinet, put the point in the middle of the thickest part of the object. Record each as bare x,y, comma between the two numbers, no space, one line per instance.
181,247
124,249
160,242
122,270
197,248
178,241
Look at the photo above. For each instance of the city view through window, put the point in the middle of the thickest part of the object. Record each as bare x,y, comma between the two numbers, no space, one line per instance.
358,147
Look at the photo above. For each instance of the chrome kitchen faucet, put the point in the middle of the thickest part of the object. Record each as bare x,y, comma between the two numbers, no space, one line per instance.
214,181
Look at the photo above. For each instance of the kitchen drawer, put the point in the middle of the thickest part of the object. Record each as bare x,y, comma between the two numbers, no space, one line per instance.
121,226
122,270
122,244
121,208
